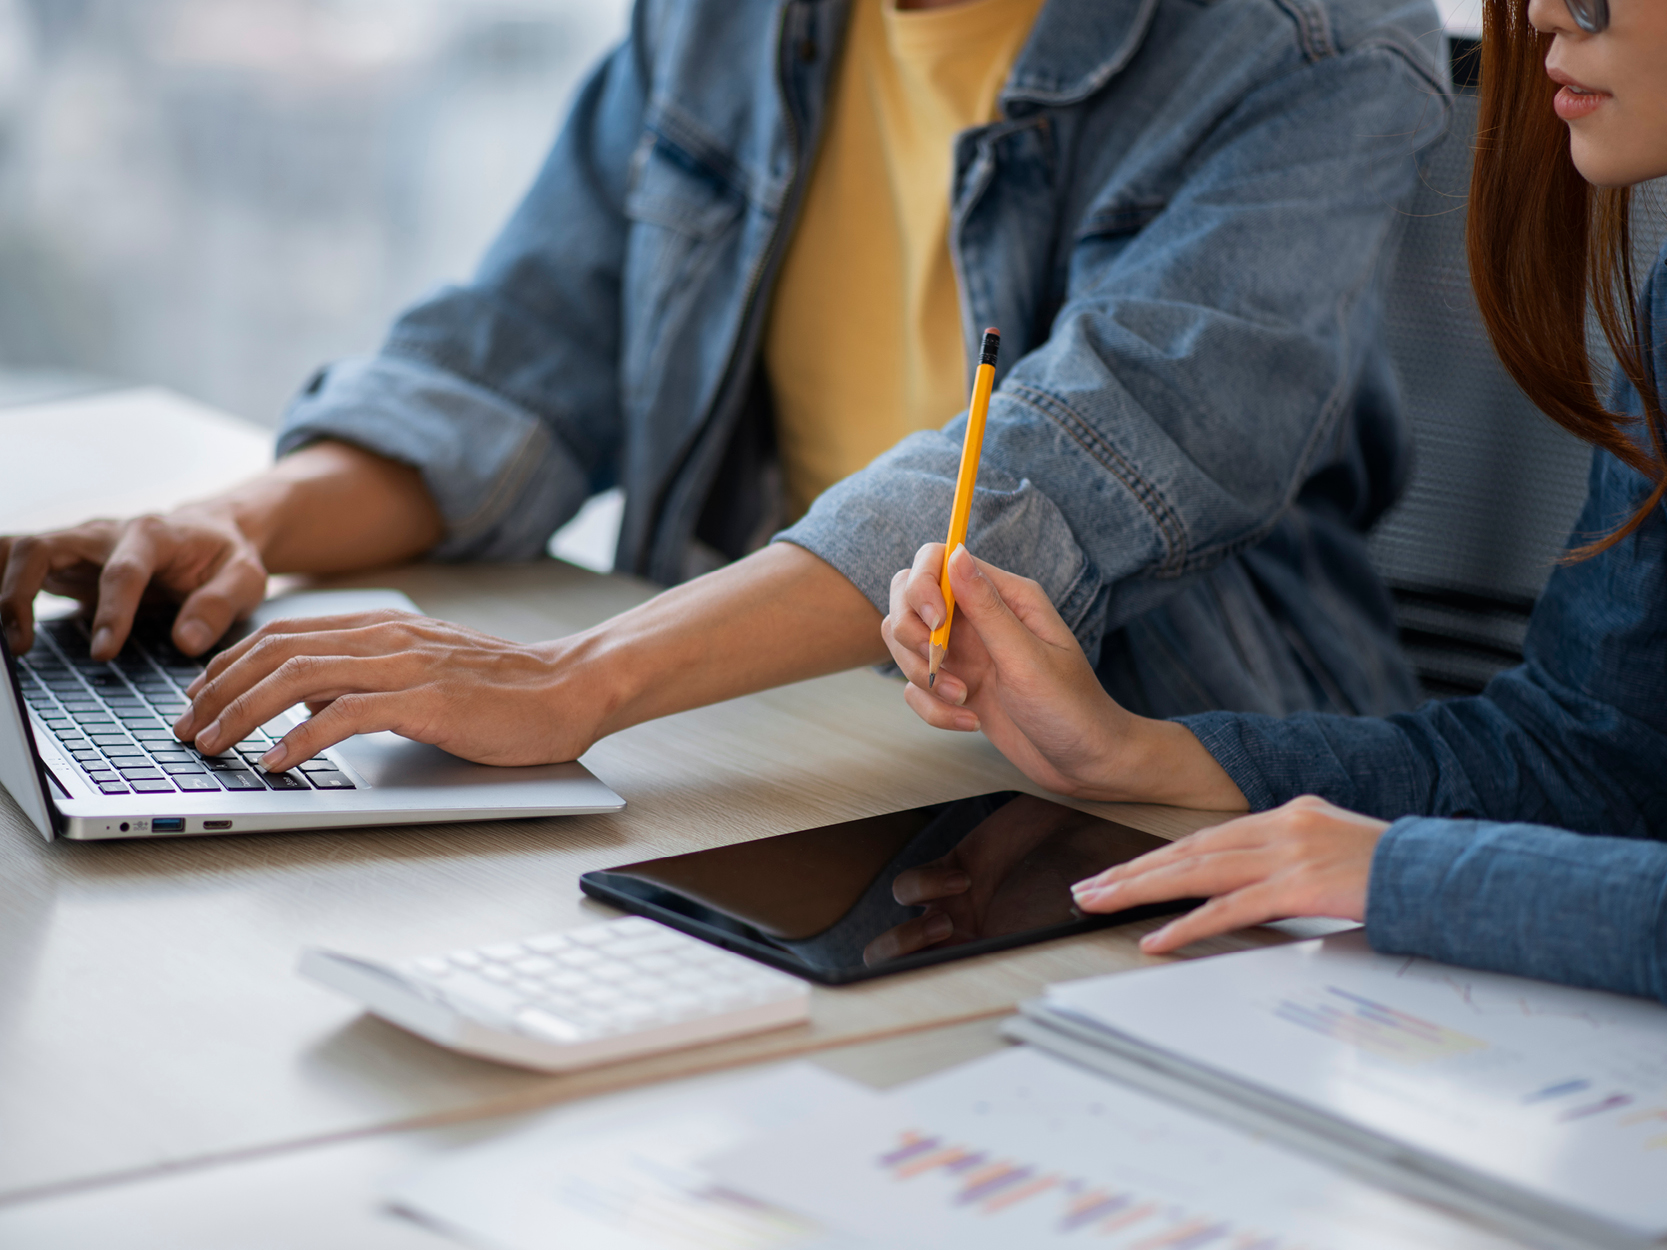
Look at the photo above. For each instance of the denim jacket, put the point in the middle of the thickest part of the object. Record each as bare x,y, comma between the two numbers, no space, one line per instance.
1570,749
1180,224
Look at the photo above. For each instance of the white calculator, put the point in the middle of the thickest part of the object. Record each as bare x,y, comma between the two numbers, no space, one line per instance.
559,1001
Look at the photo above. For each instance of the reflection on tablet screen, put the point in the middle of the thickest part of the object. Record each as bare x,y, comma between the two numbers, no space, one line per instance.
867,897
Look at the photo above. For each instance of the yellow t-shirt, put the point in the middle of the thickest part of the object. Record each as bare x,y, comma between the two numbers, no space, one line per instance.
865,343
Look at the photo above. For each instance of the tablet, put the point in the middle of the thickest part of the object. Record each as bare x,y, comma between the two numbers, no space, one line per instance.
869,897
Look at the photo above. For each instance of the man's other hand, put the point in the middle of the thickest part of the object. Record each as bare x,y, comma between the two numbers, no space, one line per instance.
196,557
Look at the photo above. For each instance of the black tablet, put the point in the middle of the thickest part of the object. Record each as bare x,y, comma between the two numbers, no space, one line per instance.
869,897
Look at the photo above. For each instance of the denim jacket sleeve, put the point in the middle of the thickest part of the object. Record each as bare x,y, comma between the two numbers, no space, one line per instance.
1201,367
492,389
1524,899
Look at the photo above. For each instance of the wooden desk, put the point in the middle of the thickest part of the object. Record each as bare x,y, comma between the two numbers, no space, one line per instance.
149,1012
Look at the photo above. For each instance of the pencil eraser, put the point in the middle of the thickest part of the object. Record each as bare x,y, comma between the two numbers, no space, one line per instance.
992,330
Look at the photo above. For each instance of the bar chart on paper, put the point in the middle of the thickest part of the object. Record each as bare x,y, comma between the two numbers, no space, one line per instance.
1557,1091
1022,1150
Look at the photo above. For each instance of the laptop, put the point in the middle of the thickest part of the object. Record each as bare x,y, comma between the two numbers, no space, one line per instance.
87,751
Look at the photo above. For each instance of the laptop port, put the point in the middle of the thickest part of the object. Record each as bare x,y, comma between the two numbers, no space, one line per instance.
217,824
168,824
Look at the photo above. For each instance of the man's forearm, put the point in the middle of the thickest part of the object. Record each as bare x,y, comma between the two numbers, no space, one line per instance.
778,616
332,508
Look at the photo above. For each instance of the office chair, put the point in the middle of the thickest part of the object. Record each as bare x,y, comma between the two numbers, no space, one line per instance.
1496,485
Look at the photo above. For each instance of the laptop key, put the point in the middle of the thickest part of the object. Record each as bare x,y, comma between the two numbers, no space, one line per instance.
196,781
238,781
147,786
283,781
181,770
331,781
112,787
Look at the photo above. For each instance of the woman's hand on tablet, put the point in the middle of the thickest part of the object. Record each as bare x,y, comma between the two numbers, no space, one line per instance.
1015,671
1307,858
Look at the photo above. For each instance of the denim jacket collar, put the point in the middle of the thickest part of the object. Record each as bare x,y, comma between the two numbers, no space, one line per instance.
1075,48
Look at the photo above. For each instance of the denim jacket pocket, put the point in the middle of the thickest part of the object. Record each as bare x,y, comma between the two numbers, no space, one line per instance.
678,214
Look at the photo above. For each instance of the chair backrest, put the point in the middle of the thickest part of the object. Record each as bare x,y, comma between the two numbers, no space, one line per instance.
1496,485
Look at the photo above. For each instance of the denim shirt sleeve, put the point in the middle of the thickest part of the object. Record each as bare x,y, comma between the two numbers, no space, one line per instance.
512,423
1197,373
1523,899
1575,737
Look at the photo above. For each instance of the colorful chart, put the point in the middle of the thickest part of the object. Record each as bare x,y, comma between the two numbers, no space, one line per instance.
990,1185
1375,1027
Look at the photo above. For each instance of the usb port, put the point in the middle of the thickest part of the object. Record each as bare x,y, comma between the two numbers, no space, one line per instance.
217,824
168,824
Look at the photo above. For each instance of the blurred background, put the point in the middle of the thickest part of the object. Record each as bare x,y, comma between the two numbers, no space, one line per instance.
218,195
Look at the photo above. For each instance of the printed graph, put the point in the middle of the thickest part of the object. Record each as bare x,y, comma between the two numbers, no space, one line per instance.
989,1185
1376,1027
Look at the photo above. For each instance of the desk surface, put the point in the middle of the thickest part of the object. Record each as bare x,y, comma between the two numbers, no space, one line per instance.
149,1011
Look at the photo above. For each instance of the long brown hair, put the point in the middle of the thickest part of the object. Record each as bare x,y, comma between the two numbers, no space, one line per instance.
1544,247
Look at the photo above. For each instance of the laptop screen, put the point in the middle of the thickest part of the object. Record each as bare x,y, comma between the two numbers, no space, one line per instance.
20,770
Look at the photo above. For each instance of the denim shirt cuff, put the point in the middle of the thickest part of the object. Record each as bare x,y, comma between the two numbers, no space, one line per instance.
1406,877
501,480
871,524
1222,735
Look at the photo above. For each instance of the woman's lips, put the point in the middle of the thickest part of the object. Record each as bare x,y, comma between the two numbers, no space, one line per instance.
1574,101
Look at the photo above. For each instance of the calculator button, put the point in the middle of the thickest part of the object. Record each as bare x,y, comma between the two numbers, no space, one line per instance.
567,980
432,966
503,951
579,958
465,959
543,1024
547,943
497,973
532,966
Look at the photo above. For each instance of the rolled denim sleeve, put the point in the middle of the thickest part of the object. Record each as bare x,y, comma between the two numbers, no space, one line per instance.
503,391
1197,373
1523,899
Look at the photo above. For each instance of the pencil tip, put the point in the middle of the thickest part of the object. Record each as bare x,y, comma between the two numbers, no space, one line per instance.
931,680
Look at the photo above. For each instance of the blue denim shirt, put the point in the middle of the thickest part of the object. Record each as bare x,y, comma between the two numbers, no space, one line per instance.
1181,225
1570,749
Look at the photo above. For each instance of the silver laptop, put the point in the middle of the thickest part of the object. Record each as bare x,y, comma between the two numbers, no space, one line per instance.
87,751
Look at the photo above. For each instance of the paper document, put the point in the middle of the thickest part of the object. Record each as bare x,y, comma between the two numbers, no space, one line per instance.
629,1178
1556,1091
1023,1150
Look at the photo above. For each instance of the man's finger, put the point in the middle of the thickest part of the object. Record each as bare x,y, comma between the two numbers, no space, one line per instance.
313,627
121,585
209,611
363,713
270,681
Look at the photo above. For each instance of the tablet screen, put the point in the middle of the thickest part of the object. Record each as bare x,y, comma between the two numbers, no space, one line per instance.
867,897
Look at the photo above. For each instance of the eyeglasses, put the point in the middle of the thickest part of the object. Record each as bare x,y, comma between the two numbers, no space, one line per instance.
1592,16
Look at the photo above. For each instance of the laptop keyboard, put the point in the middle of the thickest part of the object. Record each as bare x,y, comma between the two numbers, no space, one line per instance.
116,720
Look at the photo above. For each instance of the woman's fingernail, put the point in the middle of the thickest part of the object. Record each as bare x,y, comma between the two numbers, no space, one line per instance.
938,927
196,685
1154,938
1094,894
207,738
970,723
956,882
182,727
932,618
101,640
193,636
273,760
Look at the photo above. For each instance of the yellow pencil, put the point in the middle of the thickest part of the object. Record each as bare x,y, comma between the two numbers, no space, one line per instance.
982,383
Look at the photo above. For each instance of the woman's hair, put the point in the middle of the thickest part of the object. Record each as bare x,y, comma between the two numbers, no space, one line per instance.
1544,246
